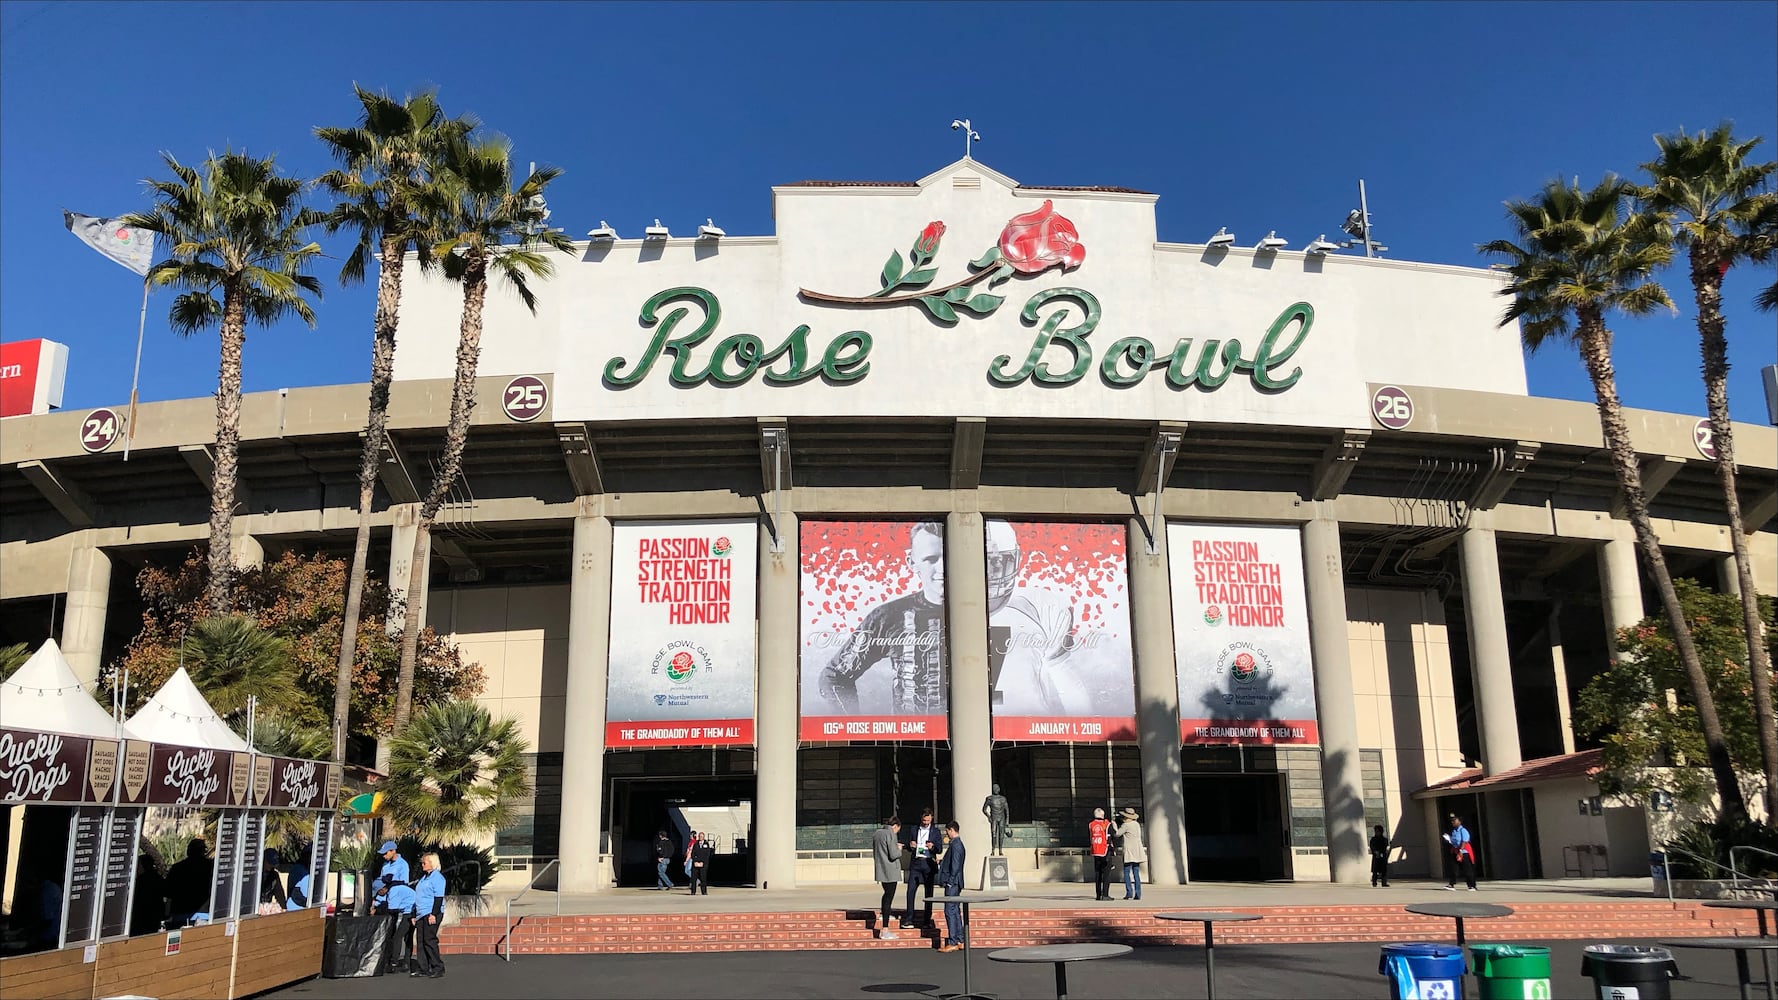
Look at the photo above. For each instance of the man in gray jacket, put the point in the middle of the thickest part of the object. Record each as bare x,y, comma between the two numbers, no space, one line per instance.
885,850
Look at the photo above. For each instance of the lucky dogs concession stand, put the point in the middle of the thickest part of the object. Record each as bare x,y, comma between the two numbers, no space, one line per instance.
104,781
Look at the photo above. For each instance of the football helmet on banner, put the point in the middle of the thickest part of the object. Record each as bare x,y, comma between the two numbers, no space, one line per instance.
1003,561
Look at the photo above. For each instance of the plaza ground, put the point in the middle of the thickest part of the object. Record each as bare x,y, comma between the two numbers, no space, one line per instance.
1337,970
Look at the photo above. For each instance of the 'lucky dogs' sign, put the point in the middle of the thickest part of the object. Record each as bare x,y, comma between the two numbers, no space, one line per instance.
41,767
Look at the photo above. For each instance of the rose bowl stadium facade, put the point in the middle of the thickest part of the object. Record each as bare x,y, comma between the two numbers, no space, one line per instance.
956,484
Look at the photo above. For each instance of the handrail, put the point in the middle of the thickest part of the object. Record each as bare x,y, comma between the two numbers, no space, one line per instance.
506,942
1666,867
1734,874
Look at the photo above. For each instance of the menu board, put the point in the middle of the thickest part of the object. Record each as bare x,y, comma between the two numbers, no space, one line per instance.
82,874
321,859
222,885
120,873
252,835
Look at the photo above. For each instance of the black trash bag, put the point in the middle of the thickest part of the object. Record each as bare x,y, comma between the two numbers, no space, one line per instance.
355,947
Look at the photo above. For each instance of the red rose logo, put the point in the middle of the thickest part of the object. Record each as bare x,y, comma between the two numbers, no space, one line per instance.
927,244
681,667
1037,241
722,546
1213,615
1244,668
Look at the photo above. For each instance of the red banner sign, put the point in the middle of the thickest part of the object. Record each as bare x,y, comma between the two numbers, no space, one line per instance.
690,733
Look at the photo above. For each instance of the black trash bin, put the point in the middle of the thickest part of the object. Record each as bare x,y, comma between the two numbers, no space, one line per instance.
355,946
1618,969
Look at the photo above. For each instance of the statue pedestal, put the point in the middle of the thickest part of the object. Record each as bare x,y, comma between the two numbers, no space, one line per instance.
998,873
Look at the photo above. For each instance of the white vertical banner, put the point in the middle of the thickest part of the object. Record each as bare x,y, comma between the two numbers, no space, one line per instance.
683,603
1241,634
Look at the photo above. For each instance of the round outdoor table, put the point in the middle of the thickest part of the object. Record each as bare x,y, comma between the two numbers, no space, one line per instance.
1459,912
964,899
1208,918
1740,946
1760,907
1060,955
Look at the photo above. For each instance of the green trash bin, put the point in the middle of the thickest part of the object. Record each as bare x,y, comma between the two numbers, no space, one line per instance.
1511,971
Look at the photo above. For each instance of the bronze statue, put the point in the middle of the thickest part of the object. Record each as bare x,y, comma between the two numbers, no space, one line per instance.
994,807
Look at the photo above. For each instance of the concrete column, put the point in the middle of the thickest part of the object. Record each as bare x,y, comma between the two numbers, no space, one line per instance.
248,552
83,619
972,742
775,736
1620,582
1336,707
1490,661
583,732
401,554
1728,575
1157,706
1559,668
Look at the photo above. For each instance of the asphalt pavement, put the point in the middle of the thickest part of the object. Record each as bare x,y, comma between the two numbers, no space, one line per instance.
1321,970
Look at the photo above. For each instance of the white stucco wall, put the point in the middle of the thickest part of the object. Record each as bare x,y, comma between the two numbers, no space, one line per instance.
1401,682
519,635
1374,320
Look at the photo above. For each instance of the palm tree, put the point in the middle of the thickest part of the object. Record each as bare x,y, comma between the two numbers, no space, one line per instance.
230,659
479,209
1581,254
386,162
455,771
13,657
1710,196
233,233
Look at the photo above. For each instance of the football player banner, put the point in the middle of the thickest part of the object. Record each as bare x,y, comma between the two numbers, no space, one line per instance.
1241,635
681,665
1060,668
874,665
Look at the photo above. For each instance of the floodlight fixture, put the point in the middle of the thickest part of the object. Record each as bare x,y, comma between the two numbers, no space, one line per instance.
603,234
1321,247
656,231
1272,243
709,231
1223,238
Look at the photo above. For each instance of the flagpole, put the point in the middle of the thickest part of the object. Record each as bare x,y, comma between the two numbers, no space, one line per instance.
141,325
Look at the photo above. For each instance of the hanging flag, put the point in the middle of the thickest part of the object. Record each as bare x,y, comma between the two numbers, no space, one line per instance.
128,245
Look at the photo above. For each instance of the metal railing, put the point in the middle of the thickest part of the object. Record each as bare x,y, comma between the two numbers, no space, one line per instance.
1666,866
506,942
1734,871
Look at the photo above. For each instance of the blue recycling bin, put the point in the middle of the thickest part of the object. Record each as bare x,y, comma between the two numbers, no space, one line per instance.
1422,970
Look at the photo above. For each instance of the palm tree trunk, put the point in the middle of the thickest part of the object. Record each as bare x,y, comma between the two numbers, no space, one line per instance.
1595,350
382,373
219,594
1707,275
418,567
469,349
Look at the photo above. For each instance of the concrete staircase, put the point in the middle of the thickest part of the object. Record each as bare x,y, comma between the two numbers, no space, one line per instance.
1128,923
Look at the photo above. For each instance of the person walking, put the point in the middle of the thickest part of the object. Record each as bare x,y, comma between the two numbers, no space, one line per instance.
1099,837
189,884
429,894
1379,857
950,875
885,852
394,870
703,853
1129,836
663,853
921,845
1459,855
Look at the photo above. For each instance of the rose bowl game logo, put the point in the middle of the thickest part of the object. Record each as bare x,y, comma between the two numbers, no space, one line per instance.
680,661
722,546
681,667
1213,616
1244,663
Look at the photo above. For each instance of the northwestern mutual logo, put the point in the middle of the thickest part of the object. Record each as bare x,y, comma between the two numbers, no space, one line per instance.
1059,355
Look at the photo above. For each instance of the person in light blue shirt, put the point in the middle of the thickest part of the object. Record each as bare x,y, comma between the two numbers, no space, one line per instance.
301,879
394,870
429,893
1459,855
401,928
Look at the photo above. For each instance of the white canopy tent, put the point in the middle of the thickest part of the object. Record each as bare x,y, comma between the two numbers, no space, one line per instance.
44,695
179,715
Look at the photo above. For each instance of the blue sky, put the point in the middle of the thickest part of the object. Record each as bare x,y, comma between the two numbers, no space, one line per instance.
1251,116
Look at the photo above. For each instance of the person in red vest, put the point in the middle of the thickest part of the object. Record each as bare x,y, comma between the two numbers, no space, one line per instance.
1099,836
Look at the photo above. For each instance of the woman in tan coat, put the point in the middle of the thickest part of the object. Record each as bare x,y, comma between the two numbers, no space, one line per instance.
1129,835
